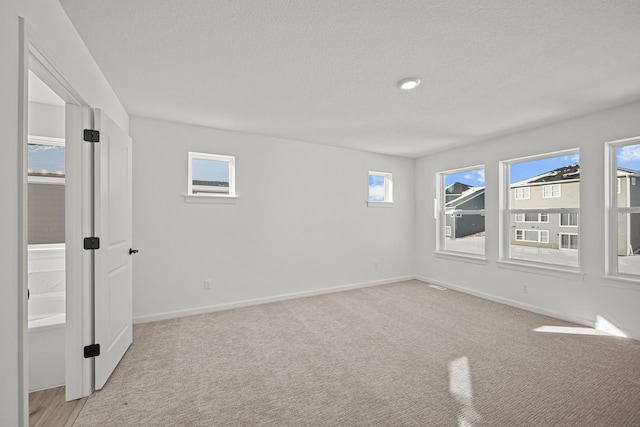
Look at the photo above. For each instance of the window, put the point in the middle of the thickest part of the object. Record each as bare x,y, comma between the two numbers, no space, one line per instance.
381,187
541,236
569,241
45,160
569,219
460,217
534,211
532,217
623,208
551,191
522,193
211,175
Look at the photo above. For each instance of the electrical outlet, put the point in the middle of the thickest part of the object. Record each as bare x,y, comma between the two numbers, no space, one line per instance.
207,285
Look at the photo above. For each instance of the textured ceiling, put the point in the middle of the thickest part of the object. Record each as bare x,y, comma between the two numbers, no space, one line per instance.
326,71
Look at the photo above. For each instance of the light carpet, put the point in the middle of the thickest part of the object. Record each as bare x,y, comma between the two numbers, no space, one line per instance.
403,354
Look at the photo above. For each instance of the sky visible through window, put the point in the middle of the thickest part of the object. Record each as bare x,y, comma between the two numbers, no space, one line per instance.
629,157
376,188
46,159
210,170
474,178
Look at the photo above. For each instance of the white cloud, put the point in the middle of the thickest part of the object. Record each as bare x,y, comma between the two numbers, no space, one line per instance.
480,175
376,192
574,158
629,153
468,176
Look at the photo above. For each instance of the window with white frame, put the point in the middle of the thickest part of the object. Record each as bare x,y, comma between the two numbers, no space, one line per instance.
623,208
569,219
551,191
534,187
211,175
522,193
380,187
460,218
568,241
532,217
537,236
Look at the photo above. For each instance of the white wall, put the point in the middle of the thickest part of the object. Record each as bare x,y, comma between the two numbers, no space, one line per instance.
300,223
46,120
48,20
578,300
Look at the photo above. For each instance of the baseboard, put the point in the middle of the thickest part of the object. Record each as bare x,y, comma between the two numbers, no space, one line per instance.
264,300
507,301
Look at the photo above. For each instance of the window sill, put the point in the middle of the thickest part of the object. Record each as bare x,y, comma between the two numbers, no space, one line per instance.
220,200
624,282
380,204
459,256
562,272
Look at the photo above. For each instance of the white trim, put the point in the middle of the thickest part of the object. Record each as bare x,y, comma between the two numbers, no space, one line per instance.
379,204
221,199
540,268
569,213
513,303
256,301
462,256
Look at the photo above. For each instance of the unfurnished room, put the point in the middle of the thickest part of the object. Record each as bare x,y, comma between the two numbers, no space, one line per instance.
320,213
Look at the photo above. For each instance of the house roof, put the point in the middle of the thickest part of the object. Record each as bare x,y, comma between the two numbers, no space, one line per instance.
565,173
467,195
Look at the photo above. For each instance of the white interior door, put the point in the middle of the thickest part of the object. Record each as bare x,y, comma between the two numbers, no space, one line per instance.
113,218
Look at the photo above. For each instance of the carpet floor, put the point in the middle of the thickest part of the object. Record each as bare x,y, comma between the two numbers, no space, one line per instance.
403,354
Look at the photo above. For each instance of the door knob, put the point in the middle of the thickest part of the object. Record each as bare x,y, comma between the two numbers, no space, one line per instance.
132,251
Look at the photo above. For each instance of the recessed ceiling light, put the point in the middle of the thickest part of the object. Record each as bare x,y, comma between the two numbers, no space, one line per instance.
408,84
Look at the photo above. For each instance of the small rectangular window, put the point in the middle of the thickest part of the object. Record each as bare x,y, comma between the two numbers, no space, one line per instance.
569,219
380,187
211,175
551,191
522,193
568,241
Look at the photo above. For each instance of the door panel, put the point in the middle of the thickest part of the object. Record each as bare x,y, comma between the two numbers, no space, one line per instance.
113,225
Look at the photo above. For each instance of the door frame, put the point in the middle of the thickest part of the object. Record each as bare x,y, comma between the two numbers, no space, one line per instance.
34,56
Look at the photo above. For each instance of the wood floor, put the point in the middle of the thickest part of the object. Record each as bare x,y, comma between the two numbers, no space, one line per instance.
47,408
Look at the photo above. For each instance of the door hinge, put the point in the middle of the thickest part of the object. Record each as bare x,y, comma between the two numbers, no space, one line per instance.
91,243
91,135
92,350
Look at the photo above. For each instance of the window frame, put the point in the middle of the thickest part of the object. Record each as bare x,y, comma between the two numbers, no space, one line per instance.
528,193
538,221
536,230
612,210
568,234
551,186
507,212
388,189
569,225
231,160
441,212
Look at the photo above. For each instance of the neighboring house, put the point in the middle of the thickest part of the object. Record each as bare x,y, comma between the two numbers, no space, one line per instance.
454,191
458,225
556,189
560,189
628,189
